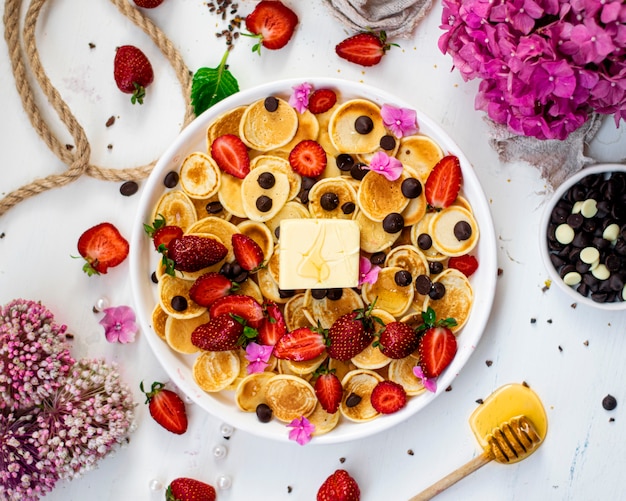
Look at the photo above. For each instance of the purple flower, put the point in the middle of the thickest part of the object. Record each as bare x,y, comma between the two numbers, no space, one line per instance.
368,273
400,121
119,324
389,167
429,383
258,355
300,97
301,430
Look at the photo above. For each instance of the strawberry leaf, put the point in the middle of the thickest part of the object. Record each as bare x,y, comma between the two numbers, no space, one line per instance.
211,85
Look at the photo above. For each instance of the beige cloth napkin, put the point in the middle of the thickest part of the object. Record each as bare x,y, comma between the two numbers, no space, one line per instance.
398,18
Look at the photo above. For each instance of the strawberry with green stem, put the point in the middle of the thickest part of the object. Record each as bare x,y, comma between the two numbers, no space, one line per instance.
365,49
132,72
351,333
166,408
443,183
437,344
328,389
272,23
102,247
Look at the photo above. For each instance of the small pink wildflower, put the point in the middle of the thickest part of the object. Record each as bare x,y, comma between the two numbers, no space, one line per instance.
429,383
389,167
300,97
401,121
258,355
368,272
119,324
301,430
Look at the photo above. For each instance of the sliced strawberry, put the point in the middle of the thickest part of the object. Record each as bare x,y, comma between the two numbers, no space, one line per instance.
398,340
388,397
242,306
437,349
193,252
322,100
210,287
103,247
166,408
247,252
273,23
444,182
329,391
222,333
466,264
164,235
339,486
308,158
231,155
365,49
300,345
273,326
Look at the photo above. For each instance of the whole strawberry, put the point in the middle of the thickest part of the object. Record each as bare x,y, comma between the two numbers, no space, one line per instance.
148,4
398,340
193,252
166,408
221,333
340,486
350,334
132,72
189,489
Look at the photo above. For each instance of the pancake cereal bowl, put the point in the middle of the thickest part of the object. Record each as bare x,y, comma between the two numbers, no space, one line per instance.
349,220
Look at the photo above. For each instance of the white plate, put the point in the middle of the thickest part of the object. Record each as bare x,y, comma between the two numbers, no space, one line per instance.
143,260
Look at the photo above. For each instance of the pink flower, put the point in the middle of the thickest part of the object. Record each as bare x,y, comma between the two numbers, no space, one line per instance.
368,273
300,97
301,430
119,324
258,355
401,121
429,383
389,167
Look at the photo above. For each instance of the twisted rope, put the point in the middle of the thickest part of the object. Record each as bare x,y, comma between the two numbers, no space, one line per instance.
78,158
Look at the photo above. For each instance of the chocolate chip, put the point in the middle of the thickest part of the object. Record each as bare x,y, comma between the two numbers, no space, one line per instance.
214,207
344,162
423,284
393,223
358,171
387,142
264,413
329,201
285,293
277,232
171,179
266,180
403,278
424,241
334,294
319,293
179,303
609,402
264,203
271,104
348,208
353,400
462,230
364,124
435,267
154,278
378,258
307,182
303,195
437,291
129,188
411,188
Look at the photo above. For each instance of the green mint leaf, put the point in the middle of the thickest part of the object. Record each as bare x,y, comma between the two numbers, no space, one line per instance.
211,85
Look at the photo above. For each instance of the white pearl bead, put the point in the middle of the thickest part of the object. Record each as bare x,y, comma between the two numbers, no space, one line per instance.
224,482
220,451
101,303
155,485
226,430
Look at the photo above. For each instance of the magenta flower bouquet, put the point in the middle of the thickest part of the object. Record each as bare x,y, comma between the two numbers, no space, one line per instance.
544,65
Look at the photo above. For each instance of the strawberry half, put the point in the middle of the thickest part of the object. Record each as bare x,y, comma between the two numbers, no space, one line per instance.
132,72
300,345
273,23
222,333
339,486
242,306
328,390
437,349
103,247
189,489
398,340
231,155
210,287
308,158
322,100
388,397
365,49
466,264
444,182
193,253
273,325
164,235
247,252
166,408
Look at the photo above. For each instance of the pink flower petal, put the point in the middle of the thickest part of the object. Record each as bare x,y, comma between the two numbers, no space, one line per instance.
368,273
301,430
300,97
429,383
257,355
400,121
119,324
389,167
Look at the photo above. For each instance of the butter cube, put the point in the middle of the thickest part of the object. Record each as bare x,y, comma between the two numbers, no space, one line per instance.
318,253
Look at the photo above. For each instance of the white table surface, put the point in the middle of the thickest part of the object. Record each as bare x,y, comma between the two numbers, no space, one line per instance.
571,357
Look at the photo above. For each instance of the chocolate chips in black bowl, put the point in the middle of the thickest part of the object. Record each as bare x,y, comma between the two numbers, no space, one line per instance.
583,236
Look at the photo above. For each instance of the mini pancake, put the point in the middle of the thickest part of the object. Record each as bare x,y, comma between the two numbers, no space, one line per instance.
227,123
265,130
251,390
290,397
401,371
202,205
171,287
409,258
269,287
359,382
371,357
326,311
177,209
159,317
308,128
229,195
448,238
420,153
343,131
215,370
432,254
378,197
222,229
273,264
305,367
252,194
243,371
367,157
340,367
416,208
456,302
199,175
344,192
277,164
261,234
373,237
389,296
294,314
322,420
250,288
178,332
291,210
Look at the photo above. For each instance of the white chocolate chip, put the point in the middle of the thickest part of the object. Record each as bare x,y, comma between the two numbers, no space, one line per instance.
611,232
601,272
589,255
589,208
572,278
576,208
564,233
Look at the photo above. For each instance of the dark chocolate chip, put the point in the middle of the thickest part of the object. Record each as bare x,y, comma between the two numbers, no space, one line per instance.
307,182
424,241
378,258
319,293
393,223
411,188
154,277
329,201
387,142
609,402
264,203
344,162
266,180
364,124
423,284
214,207
334,294
353,400
435,267
348,208
358,171
462,230
271,104
403,278
179,303
285,293
171,179
129,188
437,291
264,413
